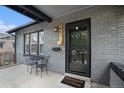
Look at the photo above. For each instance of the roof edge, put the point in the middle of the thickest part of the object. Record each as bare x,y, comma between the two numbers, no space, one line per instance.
22,26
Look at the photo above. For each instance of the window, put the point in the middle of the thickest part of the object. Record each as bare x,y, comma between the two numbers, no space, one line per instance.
41,41
1,44
33,42
26,43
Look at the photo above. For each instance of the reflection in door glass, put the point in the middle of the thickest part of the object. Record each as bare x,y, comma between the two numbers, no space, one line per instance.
79,47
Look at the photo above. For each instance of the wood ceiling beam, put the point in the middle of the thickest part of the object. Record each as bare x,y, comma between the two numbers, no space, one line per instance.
30,11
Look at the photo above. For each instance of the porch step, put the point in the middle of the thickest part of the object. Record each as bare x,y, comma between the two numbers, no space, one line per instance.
78,77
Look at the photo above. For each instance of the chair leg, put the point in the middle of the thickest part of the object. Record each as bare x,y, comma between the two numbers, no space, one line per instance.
46,70
33,67
41,71
27,68
36,70
31,70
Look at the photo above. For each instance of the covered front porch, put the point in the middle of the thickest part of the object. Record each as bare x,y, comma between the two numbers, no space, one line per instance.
18,77
56,33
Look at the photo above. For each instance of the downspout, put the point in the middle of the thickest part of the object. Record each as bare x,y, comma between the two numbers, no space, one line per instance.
14,46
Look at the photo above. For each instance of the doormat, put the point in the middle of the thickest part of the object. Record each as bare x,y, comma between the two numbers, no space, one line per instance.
73,82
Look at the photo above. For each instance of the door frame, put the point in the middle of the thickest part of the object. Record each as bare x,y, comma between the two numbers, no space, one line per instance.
86,21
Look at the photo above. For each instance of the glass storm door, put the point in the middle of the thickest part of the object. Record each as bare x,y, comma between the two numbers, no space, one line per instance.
78,47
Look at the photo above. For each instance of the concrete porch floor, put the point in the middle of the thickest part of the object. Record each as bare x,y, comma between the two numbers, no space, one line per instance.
18,77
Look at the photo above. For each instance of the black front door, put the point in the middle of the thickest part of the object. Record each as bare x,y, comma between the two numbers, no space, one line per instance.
78,47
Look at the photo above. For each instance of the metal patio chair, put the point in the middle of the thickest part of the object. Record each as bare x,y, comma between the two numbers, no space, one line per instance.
30,63
43,64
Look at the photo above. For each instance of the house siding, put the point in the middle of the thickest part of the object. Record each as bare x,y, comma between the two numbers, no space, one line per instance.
107,40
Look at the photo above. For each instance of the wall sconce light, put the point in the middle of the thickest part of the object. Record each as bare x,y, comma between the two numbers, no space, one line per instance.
59,29
55,29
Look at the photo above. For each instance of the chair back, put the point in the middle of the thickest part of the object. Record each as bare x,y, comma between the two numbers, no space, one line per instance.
45,59
27,59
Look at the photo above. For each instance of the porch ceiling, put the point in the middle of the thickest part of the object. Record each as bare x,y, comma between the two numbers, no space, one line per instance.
42,13
55,11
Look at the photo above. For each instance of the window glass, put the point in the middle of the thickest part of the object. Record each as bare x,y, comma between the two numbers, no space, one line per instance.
41,41
27,44
33,43
27,38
